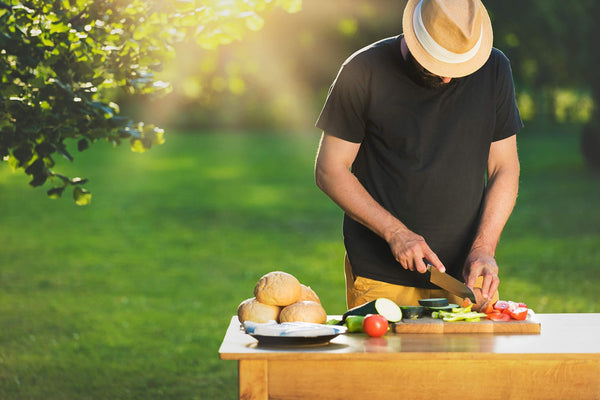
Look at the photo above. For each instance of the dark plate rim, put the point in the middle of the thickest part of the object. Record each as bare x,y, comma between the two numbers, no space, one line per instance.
294,340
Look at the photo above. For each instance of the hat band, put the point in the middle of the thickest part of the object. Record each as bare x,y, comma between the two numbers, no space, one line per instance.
434,48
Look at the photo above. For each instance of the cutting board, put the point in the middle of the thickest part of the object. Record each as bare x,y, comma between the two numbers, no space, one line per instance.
430,325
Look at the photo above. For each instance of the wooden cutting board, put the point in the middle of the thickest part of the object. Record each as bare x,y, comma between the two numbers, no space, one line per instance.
430,325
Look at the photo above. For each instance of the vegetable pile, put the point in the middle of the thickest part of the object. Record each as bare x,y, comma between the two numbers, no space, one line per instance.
503,310
459,314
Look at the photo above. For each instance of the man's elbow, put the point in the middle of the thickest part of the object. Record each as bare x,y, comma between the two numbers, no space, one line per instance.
320,177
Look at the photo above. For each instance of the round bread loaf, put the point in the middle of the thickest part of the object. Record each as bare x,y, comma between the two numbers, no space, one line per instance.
278,289
308,294
304,311
255,311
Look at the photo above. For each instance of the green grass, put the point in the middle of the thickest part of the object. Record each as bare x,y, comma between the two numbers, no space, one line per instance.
129,298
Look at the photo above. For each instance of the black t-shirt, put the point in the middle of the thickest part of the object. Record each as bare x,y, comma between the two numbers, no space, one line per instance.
423,153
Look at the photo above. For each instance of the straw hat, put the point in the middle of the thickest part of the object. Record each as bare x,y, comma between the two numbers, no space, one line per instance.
450,38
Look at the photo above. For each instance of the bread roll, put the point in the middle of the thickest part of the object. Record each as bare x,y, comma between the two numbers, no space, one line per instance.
278,289
308,294
252,310
304,311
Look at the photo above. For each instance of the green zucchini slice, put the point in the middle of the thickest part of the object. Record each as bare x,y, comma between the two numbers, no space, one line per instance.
412,312
381,306
435,302
449,307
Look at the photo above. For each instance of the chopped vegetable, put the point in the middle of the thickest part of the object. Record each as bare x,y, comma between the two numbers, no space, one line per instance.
435,302
466,302
487,308
504,310
459,314
381,306
498,316
412,312
519,313
501,305
355,323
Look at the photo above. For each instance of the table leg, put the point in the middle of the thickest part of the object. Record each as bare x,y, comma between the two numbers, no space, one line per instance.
253,380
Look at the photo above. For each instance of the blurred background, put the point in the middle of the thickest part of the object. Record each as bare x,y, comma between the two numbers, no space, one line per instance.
278,77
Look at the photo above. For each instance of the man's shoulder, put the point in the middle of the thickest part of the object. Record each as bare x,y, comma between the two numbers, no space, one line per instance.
498,58
498,55
373,52
497,65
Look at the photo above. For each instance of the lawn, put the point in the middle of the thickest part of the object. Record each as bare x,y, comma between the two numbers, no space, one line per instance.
129,297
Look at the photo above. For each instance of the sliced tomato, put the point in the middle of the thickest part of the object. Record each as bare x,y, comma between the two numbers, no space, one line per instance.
501,305
512,306
519,313
522,305
498,316
488,307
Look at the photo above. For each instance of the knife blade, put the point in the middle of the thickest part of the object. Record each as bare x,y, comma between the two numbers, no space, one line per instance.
449,283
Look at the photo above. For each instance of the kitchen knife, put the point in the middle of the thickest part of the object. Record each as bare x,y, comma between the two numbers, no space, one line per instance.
450,284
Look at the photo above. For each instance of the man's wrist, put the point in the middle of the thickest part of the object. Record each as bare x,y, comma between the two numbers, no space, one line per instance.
483,248
392,230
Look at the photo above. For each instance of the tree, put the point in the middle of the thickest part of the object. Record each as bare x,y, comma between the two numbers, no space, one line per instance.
552,43
62,61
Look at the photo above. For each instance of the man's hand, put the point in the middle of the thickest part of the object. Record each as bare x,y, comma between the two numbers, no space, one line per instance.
481,262
411,250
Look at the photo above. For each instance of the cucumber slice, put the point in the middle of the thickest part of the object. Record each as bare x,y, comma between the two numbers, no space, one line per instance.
381,306
449,307
412,312
435,302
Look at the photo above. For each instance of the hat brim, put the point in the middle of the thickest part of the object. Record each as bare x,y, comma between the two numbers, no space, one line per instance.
436,66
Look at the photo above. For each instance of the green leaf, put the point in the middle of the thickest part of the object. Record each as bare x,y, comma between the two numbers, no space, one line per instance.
291,6
82,197
23,154
82,145
137,146
55,192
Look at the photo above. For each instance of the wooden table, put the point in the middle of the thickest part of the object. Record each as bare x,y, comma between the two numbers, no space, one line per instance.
561,362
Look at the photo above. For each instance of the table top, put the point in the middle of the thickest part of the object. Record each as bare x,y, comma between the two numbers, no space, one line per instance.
562,335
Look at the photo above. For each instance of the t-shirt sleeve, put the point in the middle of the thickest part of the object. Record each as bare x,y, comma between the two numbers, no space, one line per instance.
343,114
508,119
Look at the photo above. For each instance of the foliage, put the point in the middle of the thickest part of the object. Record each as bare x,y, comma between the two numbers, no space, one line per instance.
551,44
62,62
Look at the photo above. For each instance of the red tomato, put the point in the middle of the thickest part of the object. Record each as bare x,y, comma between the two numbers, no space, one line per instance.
375,325
509,307
519,313
488,308
501,305
497,316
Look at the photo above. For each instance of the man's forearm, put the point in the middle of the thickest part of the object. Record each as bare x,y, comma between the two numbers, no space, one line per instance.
333,176
499,201
350,195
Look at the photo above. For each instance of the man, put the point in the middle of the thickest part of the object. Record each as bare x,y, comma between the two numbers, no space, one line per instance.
419,150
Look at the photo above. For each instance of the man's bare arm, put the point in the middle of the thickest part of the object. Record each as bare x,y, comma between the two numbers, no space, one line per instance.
333,176
499,201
